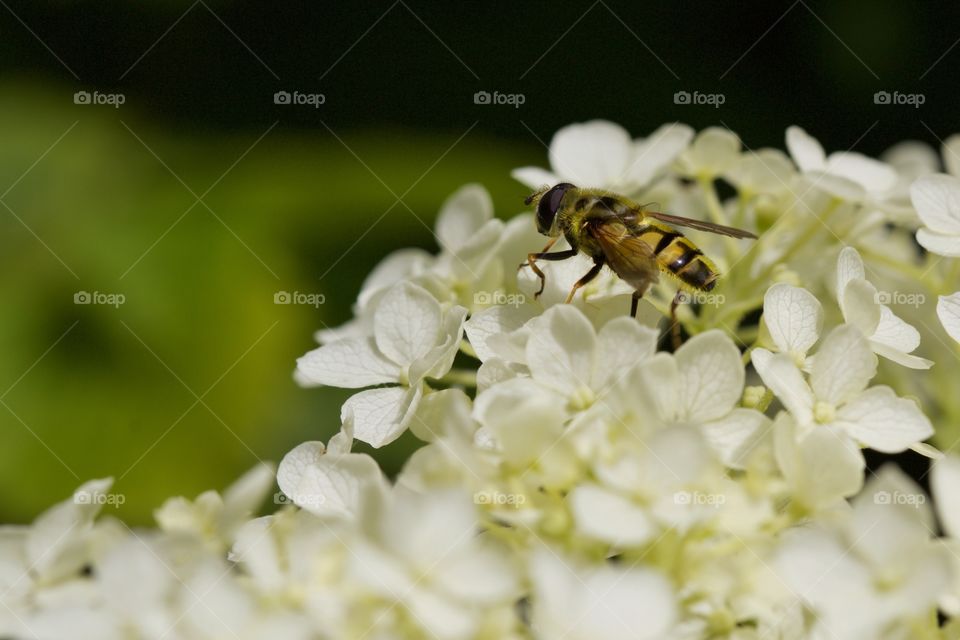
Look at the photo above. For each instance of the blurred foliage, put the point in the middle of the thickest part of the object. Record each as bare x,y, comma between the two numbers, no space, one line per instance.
188,383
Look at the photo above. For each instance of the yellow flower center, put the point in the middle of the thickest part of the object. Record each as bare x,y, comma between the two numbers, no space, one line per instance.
582,398
824,412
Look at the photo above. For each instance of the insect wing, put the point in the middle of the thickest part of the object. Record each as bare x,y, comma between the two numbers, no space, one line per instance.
628,255
700,225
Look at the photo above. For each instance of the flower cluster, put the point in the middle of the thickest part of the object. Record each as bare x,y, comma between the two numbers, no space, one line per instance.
579,479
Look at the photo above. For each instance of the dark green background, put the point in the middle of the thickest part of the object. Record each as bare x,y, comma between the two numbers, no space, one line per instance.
92,391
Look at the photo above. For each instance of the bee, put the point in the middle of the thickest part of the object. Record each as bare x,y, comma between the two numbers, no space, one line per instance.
633,241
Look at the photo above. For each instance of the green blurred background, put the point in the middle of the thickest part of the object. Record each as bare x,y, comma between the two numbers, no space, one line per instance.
188,382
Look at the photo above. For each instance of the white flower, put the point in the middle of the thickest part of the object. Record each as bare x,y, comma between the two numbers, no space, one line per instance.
937,200
414,338
569,359
845,174
580,602
215,519
880,569
600,154
645,484
889,336
700,386
837,397
422,551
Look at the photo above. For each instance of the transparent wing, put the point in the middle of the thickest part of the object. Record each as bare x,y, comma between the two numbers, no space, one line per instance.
698,224
627,254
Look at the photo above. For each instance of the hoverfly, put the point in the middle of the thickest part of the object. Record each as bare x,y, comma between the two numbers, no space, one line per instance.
615,231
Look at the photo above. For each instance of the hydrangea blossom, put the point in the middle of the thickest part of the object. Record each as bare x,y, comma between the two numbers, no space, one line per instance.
580,478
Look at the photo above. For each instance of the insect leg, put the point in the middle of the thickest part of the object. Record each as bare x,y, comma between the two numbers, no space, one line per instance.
533,257
529,263
590,275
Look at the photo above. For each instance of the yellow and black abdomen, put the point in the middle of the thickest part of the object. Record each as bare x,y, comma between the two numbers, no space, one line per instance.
679,257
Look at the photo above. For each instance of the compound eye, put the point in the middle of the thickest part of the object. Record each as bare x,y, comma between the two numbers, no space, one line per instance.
550,204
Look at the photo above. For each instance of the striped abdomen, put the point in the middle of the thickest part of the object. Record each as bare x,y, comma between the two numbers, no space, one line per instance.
678,256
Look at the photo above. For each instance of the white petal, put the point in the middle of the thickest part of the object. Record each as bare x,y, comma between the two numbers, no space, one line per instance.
350,363
901,358
948,310
443,413
849,267
834,185
391,270
734,435
609,517
484,575
871,174
610,602
524,419
438,360
942,244
793,316
325,484
945,484
785,380
713,151
655,153
937,200
880,420
534,177
590,154
912,159
657,391
859,303
822,468
843,366
54,544
764,171
711,375
621,344
407,323
805,150
498,319
892,520
560,349
242,498
380,416
895,333
462,215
